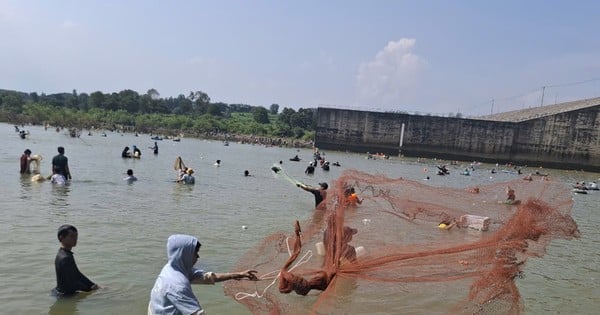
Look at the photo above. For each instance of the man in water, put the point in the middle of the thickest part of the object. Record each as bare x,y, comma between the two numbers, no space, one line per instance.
352,198
510,195
187,178
25,162
130,178
172,292
125,153
69,280
60,164
320,193
310,169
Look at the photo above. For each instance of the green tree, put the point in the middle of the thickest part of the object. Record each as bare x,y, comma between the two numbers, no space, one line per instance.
214,110
97,100
274,109
260,115
129,101
12,102
153,93
286,116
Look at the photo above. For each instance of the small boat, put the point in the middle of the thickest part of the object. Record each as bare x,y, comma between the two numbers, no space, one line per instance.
176,139
295,159
580,191
226,143
157,138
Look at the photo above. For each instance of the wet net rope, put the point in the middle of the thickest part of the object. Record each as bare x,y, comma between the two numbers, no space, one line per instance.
391,248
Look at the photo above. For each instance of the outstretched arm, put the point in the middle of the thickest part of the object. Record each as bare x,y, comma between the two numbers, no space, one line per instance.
212,277
248,274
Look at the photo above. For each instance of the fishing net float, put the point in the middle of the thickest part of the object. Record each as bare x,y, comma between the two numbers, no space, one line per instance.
389,254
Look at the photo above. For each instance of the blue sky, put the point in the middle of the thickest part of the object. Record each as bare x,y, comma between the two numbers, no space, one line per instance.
418,56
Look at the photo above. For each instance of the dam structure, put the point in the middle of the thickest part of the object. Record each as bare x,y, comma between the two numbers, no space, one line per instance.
563,136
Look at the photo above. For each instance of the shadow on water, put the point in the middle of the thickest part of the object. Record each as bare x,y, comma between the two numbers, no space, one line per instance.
26,186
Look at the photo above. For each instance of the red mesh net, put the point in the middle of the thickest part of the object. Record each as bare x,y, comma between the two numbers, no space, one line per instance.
391,253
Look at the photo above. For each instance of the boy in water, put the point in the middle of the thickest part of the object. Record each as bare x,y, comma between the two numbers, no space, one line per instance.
69,280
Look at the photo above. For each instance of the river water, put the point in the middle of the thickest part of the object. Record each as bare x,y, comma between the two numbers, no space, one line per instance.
123,227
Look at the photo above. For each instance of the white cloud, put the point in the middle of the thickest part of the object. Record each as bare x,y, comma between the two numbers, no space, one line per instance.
391,77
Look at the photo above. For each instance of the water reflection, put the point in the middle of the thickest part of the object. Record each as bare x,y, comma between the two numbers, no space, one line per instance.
181,192
67,306
60,194
25,186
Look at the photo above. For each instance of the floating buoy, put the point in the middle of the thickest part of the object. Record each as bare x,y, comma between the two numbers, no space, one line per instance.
360,251
320,248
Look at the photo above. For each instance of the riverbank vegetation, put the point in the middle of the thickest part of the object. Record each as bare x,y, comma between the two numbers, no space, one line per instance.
193,114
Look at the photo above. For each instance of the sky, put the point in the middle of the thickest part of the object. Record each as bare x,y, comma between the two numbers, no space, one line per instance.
436,57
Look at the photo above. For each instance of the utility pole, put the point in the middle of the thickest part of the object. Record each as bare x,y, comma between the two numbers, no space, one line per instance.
543,90
492,110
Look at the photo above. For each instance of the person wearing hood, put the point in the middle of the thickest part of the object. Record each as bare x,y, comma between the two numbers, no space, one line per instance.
172,292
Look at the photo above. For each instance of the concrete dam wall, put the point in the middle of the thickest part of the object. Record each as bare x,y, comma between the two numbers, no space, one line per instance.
567,140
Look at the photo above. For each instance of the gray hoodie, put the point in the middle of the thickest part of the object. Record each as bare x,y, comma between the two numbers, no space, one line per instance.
172,292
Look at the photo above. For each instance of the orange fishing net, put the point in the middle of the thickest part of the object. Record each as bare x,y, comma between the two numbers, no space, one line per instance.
371,257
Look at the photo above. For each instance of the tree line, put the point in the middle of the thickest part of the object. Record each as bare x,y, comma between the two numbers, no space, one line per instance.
149,112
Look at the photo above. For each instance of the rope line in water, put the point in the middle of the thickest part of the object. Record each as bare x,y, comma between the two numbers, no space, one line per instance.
304,259
278,170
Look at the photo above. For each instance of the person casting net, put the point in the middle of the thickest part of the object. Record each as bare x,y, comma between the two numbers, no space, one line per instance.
406,262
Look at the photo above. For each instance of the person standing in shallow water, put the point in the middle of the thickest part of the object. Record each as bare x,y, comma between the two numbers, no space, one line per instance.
69,280
130,178
172,292
60,164
320,193
25,158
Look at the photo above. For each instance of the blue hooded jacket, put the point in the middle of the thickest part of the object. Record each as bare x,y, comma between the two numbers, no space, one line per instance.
172,292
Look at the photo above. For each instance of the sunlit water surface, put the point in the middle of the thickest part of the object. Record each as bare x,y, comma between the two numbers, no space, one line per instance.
123,227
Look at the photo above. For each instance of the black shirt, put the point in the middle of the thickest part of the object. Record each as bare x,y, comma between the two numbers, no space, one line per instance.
318,196
69,279
59,165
